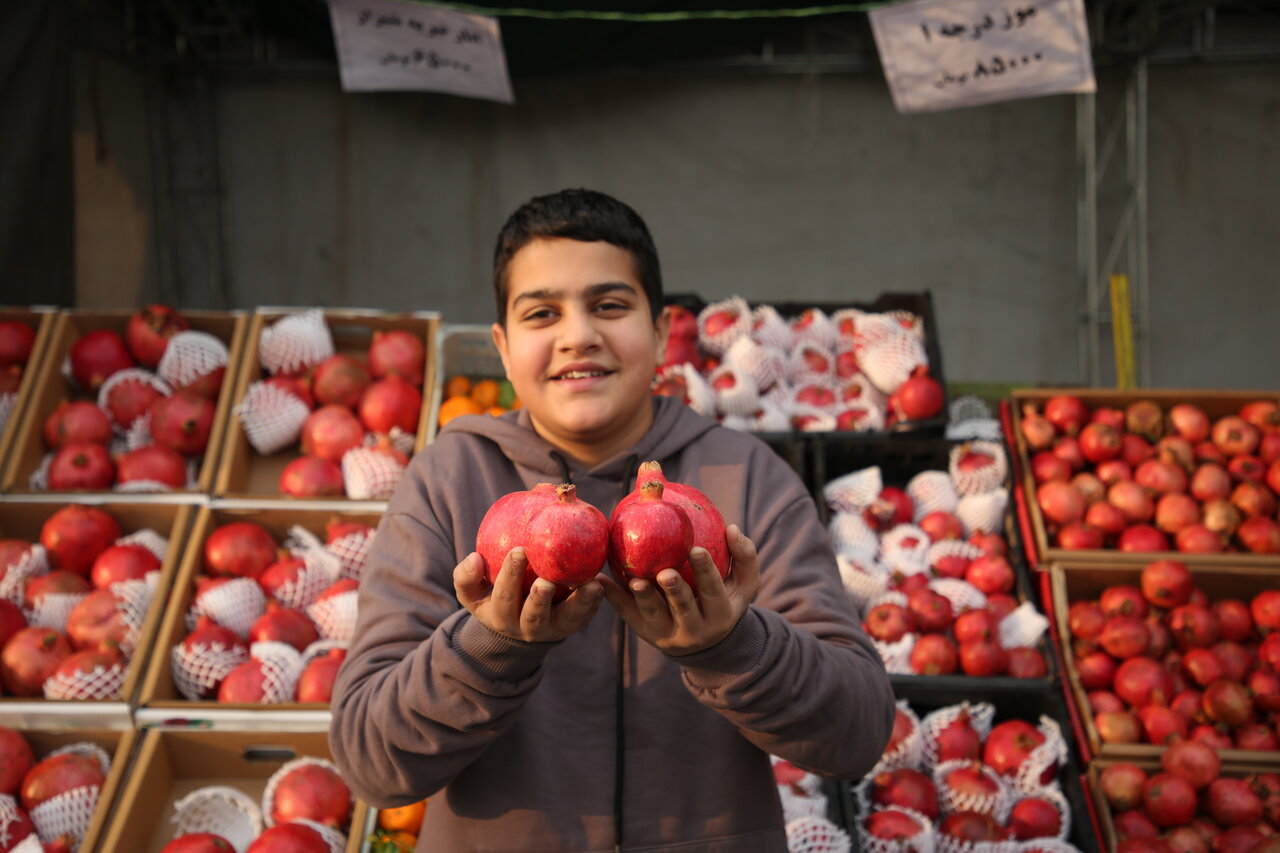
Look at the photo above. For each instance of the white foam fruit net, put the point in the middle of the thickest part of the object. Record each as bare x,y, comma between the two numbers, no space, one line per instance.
932,491
908,752
855,491
986,430
764,365
269,792
131,374
281,666
811,363
924,842
271,416
295,342
220,809
716,343
198,671
400,440
191,355
133,598
9,814
852,536
149,539
1024,626
980,716
770,329
335,617
236,604
70,812
797,804
8,402
962,594
908,544
33,563
864,580
976,482
983,513
368,474
741,398
811,418
816,327
1053,795
950,799
352,550
897,655
320,569
889,362
864,418
816,834
770,418
104,682
1053,752
137,435
53,609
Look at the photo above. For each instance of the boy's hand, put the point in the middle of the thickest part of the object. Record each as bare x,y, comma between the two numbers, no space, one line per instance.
678,623
502,607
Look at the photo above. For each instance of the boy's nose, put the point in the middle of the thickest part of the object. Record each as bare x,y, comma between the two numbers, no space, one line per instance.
578,331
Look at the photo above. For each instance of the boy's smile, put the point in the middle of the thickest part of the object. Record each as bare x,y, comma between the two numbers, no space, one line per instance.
580,345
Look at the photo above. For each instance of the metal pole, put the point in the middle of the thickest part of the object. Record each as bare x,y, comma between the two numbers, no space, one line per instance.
1087,234
1141,271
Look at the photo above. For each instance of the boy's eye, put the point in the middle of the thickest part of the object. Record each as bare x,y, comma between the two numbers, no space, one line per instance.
613,305
540,314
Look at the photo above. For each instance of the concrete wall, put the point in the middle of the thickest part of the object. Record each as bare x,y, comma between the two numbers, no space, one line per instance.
775,188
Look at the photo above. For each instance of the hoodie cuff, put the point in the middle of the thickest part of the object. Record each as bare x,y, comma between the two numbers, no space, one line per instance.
495,655
739,652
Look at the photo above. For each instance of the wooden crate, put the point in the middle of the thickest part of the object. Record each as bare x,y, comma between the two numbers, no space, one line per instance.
172,763
23,520
243,473
52,388
160,699
1214,403
42,321
1084,580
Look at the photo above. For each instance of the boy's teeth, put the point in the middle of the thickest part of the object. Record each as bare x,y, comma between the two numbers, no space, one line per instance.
581,374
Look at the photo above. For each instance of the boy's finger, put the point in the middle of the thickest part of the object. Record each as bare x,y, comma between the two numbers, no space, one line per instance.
680,600
652,606
469,583
581,605
744,575
509,587
536,613
621,599
712,595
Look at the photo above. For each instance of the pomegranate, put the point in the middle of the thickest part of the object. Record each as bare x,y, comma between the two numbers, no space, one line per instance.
16,342
1037,431
1067,448
1231,802
958,739
1160,477
1046,468
991,574
1211,737
149,331
920,397
971,782
903,727
1099,443
56,582
1176,512
1096,670
1227,702
12,621
649,535
1137,833
1202,666
281,573
241,549
82,467
1192,761
892,507
1206,451
1253,500
1079,536
1236,660
931,610
892,825
1035,817
1273,476
1010,744
1135,450
933,654
397,353
1090,486
129,399
1132,500
289,838
1257,737
95,356
284,625
198,842
1114,471
1166,583
1233,436
1105,517
1198,539
1067,413
75,535
708,525
1123,600
1117,727
153,463
971,826
57,775
1124,637
1162,725
906,788
1247,469
567,540
1085,620
1193,626
298,386
1269,447
1264,414
1240,839
989,543
16,758
121,563
1141,539
1189,421
390,403
1141,681
97,622
311,477
1122,784
340,380
1169,800
1177,451
1234,621
76,423
316,682
942,525
983,658
182,422
1144,418
331,431
1221,517
1260,535
975,625
311,791
1060,502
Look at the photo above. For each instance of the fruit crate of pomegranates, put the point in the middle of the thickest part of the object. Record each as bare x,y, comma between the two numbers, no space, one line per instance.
60,786
986,769
1188,800
259,617
329,403
257,791
133,402
928,550
1142,472
863,368
24,334
1174,650
82,591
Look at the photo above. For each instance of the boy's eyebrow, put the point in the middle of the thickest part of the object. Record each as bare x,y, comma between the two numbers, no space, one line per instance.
591,292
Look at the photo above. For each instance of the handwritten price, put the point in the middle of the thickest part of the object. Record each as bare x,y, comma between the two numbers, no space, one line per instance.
985,70
367,18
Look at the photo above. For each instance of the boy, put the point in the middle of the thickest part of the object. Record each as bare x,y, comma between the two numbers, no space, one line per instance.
645,724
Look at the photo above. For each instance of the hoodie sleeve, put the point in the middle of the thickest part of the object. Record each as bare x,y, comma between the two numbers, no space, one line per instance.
797,675
425,688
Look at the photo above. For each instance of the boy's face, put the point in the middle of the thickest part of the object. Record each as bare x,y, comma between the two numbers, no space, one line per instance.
579,344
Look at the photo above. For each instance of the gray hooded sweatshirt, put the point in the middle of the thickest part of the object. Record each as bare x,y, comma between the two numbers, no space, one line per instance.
600,742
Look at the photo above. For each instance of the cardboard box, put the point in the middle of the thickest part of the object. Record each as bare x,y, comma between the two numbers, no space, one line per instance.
52,388
160,701
1083,580
245,474
173,763
465,349
23,520
1214,403
41,321
118,745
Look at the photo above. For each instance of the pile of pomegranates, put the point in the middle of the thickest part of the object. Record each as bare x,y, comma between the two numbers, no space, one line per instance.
16,342
953,780
47,802
1161,661
134,418
1144,479
928,567
1188,803
72,605
757,371
269,623
353,416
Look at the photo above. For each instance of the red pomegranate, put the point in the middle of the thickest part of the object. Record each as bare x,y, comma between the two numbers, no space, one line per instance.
708,525
16,342
649,535
1026,662
95,356
1227,702
397,353
312,792
1189,422
891,507
31,656
1099,443
1234,436
182,421
1176,512
207,636
889,623
1034,817
1117,727
919,397
311,477
1010,744
98,622
1060,502
1231,802
971,826
933,654
983,658
1122,784
991,574
1079,536
1124,637
1123,600
1166,583
1259,535
75,535
906,788
284,625
340,380
16,758
1142,539
1037,431
245,684
975,625
298,386
289,838
892,825
903,727
1085,620
198,842
153,463
241,549
942,525
1169,800
57,775
281,573
86,467
1067,448
390,403
121,563
129,399
76,422
504,527
1141,681
1067,413
331,431
316,682
149,331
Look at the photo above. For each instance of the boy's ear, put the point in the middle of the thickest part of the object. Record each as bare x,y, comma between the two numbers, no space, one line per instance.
500,341
662,331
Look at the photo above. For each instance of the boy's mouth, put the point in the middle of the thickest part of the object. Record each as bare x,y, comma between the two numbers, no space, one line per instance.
582,372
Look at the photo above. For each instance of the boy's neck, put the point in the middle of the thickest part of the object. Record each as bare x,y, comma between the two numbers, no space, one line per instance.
592,453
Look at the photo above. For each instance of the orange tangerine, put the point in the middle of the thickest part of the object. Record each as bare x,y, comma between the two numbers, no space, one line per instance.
398,841
485,392
407,818
457,386
495,411
455,406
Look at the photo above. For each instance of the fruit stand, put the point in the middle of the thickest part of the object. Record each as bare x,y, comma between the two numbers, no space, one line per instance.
1050,626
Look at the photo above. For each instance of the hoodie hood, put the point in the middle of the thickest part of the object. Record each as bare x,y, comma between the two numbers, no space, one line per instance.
675,426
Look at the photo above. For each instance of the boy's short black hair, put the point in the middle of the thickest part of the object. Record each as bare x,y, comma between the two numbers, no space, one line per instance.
584,215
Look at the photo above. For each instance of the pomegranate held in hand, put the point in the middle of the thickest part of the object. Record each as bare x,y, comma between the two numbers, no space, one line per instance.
649,535
708,525
567,540
504,527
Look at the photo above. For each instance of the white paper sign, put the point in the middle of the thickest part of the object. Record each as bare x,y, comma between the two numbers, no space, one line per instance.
388,45
939,54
